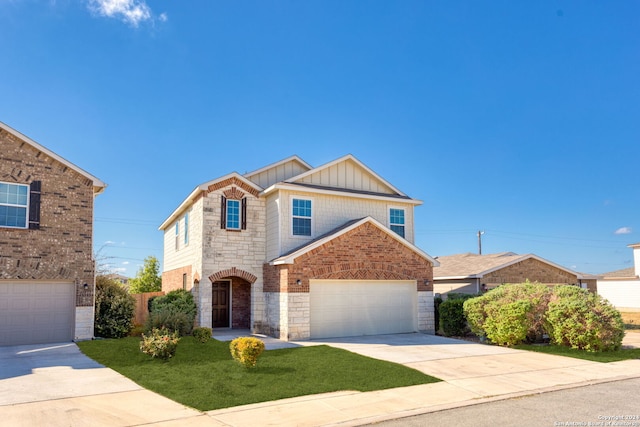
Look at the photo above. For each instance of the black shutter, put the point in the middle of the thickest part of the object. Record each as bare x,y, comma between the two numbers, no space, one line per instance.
223,213
244,213
34,205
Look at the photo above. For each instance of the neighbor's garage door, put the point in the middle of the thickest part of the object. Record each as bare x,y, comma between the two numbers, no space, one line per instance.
35,313
341,308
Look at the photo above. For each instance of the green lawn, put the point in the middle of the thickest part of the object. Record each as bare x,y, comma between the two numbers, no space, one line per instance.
204,376
604,356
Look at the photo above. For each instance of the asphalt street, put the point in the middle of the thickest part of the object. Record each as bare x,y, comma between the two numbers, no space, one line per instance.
607,404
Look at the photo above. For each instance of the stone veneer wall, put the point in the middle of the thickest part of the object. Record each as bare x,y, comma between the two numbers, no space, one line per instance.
61,249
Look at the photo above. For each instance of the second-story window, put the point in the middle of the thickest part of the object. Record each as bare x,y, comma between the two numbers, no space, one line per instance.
396,221
177,235
233,214
186,228
301,217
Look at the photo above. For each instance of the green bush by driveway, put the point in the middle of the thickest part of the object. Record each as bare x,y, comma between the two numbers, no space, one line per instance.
205,377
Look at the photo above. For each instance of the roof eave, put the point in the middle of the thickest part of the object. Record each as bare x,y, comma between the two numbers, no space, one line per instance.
334,192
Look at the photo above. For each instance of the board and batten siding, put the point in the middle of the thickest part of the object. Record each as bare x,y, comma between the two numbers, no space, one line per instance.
347,175
330,212
276,174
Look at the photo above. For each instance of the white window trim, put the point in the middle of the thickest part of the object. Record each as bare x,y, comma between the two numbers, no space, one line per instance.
226,215
389,223
26,221
297,236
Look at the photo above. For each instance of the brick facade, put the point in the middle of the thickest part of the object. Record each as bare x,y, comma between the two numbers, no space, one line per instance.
175,279
364,253
61,249
531,269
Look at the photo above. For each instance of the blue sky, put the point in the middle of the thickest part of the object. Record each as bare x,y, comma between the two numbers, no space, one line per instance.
518,118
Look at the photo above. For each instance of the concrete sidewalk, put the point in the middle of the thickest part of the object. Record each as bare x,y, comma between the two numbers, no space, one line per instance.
59,386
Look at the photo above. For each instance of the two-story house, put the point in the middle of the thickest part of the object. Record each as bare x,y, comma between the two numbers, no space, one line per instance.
298,252
47,274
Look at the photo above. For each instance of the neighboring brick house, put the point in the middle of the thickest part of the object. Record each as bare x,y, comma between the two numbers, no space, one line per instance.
471,273
298,252
622,287
46,231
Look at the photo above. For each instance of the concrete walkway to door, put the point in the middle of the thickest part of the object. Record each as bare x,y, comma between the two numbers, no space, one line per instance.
471,373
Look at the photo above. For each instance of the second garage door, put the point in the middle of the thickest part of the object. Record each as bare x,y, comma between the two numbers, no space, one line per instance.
35,313
341,308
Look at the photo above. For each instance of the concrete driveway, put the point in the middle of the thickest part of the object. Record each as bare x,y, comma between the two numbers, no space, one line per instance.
56,385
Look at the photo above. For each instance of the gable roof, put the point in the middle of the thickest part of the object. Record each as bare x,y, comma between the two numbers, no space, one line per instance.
319,180
98,185
474,266
203,188
289,257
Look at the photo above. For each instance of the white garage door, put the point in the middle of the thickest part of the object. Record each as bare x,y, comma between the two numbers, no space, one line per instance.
35,313
341,308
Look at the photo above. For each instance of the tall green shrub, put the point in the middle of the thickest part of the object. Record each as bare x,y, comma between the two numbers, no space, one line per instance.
580,319
507,324
480,309
115,309
175,311
451,315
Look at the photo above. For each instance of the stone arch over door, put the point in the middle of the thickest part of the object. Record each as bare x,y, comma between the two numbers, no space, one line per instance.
233,272
237,283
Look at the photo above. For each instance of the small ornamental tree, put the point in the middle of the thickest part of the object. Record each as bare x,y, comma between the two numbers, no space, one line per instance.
148,278
115,309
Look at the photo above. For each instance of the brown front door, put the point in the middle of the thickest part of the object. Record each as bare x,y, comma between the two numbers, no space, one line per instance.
220,299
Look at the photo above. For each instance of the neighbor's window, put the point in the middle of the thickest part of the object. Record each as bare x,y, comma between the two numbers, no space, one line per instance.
14,202
301,217
233,214
396,221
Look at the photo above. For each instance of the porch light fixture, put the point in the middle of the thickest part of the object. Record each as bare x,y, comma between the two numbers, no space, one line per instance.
86,286
426,282
298,282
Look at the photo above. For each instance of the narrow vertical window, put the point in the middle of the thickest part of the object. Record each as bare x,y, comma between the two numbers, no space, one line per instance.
184,281
186,228
396,221
177,235
233,214
301,217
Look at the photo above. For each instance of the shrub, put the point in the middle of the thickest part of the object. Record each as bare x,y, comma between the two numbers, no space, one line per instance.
507,324
175,311
478,310
202,334
452,321
436,310
165,318
114,307
582,320
246,350
160,343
